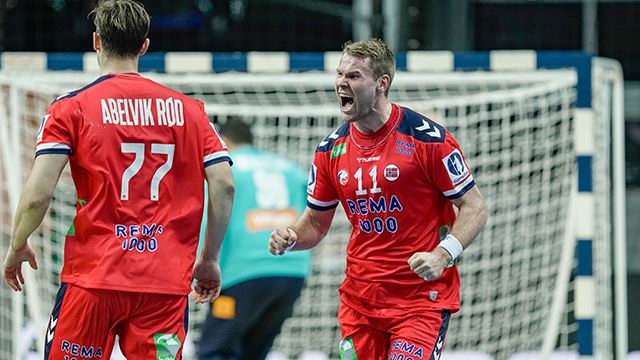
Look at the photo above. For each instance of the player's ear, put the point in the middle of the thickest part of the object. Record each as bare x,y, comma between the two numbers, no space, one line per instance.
145,47
384,82
96,41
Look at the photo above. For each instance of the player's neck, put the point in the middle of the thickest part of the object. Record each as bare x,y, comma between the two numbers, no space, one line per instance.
377,117
117,66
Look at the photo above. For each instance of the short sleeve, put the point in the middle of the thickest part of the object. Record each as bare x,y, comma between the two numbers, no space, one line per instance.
449,169
215,150
321,194
55,135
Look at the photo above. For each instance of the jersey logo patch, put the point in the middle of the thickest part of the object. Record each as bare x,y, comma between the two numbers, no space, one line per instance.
455,167
391,172
167,346
347,350
343,177
339,150
311,184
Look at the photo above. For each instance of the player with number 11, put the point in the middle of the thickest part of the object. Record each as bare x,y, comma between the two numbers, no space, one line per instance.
398,175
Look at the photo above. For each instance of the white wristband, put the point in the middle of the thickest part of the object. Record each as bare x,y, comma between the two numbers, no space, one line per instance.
452,245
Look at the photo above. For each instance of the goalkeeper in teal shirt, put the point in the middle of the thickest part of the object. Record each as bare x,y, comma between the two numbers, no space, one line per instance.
258,290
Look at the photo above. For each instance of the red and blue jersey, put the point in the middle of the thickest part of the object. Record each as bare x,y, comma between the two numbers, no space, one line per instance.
396,186
137,152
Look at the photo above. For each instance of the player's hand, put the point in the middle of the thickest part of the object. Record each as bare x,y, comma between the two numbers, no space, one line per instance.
281,240
12,271
429,265
208,281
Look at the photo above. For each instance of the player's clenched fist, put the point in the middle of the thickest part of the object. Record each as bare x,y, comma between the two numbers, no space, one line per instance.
281,240
428,265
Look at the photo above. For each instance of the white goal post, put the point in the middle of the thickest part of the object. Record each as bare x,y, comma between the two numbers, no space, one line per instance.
545,147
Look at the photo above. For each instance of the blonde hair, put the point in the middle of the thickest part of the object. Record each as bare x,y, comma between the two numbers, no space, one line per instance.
381,58
123,26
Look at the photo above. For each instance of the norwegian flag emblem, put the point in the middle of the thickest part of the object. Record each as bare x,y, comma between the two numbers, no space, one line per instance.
391,172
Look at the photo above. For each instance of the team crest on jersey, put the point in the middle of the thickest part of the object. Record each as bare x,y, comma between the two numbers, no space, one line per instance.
456,167
391,172
343,177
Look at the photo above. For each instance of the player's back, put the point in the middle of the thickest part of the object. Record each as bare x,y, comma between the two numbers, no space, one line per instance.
271,193
137,155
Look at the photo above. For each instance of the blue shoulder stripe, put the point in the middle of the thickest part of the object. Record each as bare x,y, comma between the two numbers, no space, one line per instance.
76,92
327,143
420,127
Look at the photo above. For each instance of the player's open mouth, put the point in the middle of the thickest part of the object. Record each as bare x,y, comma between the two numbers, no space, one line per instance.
346,102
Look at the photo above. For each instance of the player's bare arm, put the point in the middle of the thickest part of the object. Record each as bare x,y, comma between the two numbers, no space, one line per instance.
310,228
32,207
206,271
472,215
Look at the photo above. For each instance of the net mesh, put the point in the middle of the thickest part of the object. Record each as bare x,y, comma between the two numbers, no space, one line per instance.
516,130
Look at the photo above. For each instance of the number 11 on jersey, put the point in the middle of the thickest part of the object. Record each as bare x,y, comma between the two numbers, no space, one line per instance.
374,179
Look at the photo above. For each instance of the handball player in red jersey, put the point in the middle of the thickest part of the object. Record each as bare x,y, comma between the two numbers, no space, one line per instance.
139,154
398,175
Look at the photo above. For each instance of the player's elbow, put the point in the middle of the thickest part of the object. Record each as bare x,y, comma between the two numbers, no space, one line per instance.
225,187
32,200
229,188
483,214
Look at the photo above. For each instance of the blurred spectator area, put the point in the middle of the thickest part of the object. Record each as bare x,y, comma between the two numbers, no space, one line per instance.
606,27
185,25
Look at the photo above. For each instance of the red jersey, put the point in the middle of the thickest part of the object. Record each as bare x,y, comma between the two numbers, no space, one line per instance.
395,186
137,152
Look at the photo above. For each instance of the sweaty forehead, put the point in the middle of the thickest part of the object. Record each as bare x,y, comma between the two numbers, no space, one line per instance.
351,63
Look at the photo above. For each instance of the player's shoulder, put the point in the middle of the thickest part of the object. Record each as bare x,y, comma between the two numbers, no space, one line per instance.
68,97
327,143
421,128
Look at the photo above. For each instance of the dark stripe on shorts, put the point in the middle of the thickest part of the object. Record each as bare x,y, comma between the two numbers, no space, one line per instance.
55,313
439,345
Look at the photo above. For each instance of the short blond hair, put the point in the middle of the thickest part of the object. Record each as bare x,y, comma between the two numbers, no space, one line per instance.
123,26
381,58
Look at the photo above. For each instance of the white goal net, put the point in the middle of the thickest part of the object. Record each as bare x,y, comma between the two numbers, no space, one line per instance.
516,129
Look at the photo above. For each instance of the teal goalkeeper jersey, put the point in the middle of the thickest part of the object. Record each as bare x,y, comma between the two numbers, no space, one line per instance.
270,192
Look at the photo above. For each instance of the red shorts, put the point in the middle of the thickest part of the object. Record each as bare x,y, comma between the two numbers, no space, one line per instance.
392,334
84,323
